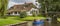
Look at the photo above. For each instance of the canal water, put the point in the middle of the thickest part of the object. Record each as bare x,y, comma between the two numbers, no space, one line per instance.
30,24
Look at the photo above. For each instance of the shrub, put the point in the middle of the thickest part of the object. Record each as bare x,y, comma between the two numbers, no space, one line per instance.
40,15
33,14
23,14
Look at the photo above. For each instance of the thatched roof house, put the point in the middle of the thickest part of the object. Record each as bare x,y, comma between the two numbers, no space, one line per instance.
15,10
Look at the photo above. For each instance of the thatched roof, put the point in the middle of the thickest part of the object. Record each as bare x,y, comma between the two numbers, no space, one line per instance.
26,7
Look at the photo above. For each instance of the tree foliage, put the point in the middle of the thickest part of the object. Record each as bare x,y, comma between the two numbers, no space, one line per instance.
3,7
51,6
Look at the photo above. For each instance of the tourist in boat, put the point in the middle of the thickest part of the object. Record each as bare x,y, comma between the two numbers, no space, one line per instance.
38,22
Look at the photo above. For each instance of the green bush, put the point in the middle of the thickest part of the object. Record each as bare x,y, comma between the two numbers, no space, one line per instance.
33,14
23,14
40,15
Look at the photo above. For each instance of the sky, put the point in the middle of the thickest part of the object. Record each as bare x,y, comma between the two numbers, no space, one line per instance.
13,2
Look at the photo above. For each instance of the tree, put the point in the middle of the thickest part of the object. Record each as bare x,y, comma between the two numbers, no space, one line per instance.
44,5
51,6
3,7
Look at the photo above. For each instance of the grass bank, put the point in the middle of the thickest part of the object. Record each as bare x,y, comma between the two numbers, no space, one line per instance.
8,21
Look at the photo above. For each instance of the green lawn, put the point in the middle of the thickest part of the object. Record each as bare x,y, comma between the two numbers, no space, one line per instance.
32,18
29,18
58,19
26,18
8,21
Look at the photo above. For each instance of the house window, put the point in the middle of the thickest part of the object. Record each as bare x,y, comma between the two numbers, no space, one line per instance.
8,13
15,12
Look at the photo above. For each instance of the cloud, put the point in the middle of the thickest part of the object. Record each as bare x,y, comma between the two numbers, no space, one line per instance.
10,4
22,1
